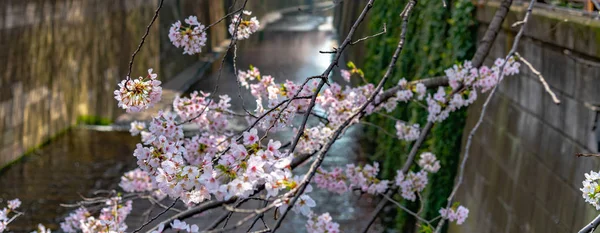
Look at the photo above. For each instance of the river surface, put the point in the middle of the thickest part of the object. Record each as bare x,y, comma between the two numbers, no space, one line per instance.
81,161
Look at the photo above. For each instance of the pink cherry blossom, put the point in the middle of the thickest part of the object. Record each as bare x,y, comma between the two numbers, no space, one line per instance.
245,28
192,38
135,95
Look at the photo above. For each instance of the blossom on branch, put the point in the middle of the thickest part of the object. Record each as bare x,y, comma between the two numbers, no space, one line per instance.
9,213
111,218
465,80
429,162
136,127
135,95
321,223
407,132
245,27
456,214
192,38
591,189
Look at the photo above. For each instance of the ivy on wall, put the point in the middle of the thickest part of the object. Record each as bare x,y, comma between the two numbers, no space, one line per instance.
437,38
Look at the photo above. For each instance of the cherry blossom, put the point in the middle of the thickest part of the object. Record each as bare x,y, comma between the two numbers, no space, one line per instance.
411,183
250,137
9,213
135,95
429,162
192,38
245,27
591,189
456,214
464,81
14,204
322,223
346,74
407,132
110,219
421,90
136,181
42,229
137,127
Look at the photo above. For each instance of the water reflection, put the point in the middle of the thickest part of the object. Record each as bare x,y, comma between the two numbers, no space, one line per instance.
75,163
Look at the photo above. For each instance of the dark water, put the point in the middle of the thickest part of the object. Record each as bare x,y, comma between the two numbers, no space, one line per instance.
82,160
75,163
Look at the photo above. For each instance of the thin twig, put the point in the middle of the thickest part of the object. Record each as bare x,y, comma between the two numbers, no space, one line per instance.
406,209
407,164
541,78
371,36
587,155
191,212
231,43
482,50
316,164
157,216
160,4
483,110
218,221
379,128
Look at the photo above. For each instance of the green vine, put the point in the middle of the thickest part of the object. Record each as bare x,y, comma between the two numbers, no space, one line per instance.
437,38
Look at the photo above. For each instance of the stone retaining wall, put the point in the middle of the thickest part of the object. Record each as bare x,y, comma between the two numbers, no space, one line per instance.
522,175
62,59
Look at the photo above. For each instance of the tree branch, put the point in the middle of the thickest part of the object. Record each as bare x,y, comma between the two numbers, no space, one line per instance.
540,77
591,226
484,108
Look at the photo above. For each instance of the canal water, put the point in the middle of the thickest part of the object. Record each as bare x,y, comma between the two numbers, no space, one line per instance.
81,160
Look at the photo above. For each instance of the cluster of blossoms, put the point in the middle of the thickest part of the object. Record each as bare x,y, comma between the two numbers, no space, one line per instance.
207,113
341,180
264,87
138,181
405,94
322,223
365,178
111,218
465,80
429,162
9,213
591,189
455,214
313,138
407,132
192,38
245,28
411,183
341,104
195,168
135,95
214,164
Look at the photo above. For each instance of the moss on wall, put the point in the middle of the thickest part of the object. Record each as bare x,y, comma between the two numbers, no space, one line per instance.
437,38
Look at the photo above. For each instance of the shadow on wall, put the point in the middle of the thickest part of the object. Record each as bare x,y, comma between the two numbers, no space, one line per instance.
524,175
61,59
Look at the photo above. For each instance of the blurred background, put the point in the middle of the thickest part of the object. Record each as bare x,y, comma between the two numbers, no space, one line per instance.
62,135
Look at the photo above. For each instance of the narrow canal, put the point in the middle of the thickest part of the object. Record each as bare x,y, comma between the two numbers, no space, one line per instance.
81,161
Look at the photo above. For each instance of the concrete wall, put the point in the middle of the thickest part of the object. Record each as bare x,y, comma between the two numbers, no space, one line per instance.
61,59
522,175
